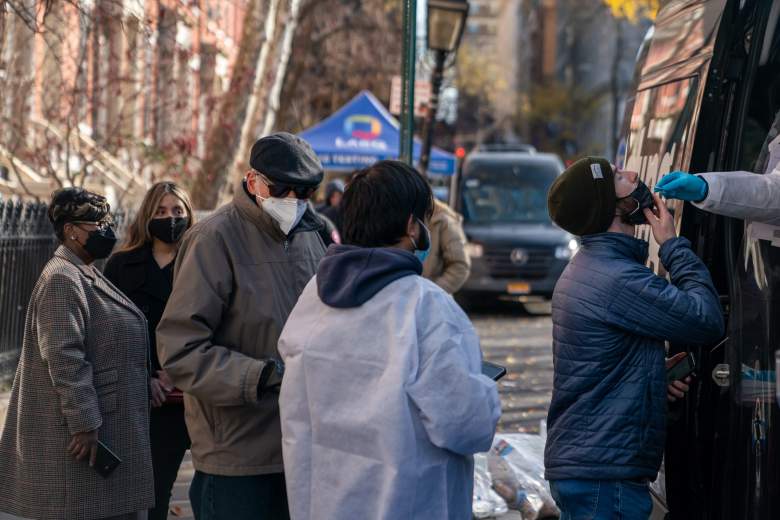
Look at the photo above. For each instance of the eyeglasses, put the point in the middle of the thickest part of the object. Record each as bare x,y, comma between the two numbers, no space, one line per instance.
103,225
281,191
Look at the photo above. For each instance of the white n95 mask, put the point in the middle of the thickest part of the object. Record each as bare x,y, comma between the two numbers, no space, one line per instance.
287,212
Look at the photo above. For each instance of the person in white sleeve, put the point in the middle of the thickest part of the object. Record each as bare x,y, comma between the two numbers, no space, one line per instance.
383,401
738,194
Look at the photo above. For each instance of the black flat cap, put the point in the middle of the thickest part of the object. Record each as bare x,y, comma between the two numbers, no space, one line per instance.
286,159
582,199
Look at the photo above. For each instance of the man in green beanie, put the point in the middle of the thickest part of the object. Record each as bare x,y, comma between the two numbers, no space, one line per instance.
611,316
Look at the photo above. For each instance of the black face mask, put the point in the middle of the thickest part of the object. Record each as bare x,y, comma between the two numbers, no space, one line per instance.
100,243
644,199
169,229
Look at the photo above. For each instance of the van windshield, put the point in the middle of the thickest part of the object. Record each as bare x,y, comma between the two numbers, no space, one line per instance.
507,193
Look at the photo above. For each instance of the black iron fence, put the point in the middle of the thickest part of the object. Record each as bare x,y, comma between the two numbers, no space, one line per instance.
27,242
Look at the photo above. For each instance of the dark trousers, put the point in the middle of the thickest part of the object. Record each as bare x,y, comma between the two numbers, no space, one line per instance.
170,441
586,499
256,497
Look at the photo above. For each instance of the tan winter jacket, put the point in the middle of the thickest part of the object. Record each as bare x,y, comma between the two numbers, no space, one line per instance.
447,265
237,278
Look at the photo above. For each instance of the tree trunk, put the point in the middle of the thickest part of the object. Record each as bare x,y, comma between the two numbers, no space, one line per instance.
164,85
2,28
19,80
281,69
224,133
96,94
252,120
206,75
53,85
114,31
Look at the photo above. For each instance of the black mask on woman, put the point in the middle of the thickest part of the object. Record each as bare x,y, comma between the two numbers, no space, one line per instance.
644,199
100,243
169,229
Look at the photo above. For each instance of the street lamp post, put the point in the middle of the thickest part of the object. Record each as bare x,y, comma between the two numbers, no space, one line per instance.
407,75
446,21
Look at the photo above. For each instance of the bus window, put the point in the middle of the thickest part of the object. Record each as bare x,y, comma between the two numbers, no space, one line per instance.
659,138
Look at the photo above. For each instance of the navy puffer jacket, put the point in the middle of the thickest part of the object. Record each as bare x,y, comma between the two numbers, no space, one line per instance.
611,315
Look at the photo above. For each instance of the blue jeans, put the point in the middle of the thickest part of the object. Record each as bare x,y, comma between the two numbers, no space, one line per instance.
602,499
257,497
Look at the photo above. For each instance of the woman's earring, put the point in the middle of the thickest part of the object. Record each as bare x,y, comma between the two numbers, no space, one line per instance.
72,237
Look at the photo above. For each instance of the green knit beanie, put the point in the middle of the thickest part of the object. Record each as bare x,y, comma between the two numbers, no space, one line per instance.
582,199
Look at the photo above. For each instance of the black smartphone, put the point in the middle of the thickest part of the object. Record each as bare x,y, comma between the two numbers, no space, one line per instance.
106,461
682,368
493,371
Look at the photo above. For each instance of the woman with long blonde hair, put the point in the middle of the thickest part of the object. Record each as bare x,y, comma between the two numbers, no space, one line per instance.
143,269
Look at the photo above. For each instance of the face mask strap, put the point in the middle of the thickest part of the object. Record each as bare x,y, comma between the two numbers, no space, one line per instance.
633,216
426,234
635,210
425,237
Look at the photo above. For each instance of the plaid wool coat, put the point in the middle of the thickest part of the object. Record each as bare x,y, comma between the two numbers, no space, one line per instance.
83,366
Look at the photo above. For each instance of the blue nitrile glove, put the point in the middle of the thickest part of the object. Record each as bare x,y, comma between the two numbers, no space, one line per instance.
683,186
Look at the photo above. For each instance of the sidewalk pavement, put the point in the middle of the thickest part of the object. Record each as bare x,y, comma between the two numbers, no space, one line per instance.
180,504
4,398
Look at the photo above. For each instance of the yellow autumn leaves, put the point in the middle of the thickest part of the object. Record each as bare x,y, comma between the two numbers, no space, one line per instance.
633,9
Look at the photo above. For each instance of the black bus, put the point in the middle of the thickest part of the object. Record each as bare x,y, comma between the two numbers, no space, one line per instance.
707,98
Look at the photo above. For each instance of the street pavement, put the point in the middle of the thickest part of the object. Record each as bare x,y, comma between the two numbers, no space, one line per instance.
509,337
522,343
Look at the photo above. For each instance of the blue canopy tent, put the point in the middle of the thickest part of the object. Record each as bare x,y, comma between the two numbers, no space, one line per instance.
363,132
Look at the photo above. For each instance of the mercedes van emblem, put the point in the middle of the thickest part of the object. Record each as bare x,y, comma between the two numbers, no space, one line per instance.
519,256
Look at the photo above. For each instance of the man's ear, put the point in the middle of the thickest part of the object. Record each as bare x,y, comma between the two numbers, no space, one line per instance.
411,227
251,182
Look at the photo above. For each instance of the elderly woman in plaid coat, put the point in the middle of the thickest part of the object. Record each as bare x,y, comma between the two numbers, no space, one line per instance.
82,377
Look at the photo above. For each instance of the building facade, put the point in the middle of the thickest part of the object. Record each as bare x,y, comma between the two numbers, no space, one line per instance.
98,93
537,49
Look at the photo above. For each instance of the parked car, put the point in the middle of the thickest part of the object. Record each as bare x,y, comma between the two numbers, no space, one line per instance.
517,253
707,98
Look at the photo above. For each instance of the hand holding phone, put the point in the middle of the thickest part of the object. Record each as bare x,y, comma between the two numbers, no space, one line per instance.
83,446
493,371
679,366
106,460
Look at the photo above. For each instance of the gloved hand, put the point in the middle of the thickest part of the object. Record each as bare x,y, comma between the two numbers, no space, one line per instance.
683,186
270,376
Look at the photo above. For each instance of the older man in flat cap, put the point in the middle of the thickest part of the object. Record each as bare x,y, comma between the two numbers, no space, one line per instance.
238,275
